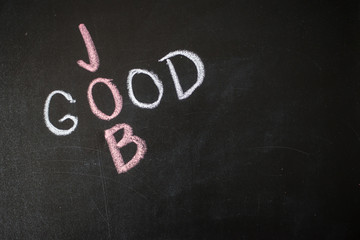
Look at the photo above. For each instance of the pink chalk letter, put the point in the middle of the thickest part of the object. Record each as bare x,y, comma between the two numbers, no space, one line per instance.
116,95
93,56
114,147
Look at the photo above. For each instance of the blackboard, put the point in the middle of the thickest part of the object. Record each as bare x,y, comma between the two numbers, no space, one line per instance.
266,146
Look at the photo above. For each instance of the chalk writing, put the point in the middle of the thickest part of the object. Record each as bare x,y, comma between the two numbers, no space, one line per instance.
90,46
199,67
116,95
157,82
49,125
128,137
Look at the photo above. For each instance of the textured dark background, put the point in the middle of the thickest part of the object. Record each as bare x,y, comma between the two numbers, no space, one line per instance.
268,147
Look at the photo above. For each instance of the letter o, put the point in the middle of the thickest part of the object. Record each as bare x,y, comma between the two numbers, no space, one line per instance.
156,81
116,95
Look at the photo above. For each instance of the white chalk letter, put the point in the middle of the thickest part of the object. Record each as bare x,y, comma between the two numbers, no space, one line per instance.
52,128
155,79
199,67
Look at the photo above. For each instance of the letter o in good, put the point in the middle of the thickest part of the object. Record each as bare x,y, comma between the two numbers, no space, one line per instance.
116,95
156,81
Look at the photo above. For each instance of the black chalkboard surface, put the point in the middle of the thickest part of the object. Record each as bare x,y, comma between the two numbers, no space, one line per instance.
245,120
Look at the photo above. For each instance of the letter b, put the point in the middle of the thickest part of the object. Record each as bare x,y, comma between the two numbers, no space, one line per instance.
126,139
